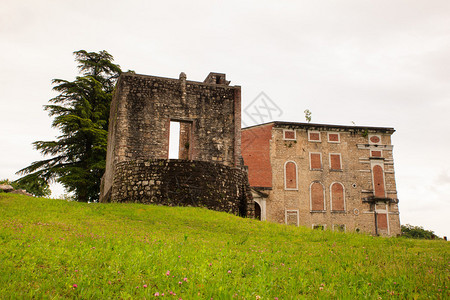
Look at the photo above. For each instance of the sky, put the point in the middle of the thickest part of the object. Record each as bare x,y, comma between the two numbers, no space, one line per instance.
371,63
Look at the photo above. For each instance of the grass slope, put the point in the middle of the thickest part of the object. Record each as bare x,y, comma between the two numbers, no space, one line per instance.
54,248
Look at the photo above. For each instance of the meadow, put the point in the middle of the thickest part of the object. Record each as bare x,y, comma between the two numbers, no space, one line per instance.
58,249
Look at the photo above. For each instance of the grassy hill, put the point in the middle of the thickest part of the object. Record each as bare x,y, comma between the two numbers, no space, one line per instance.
55,248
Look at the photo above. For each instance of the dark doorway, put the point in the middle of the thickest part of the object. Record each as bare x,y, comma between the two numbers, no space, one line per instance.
257,211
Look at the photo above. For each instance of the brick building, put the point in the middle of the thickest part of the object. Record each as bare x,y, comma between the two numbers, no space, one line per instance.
323,176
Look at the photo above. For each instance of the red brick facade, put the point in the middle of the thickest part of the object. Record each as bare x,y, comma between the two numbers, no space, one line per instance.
256,155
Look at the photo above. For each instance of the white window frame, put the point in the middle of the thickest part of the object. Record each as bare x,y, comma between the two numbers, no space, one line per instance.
296,176
340,161
381,151
324,199
321,162
286,215
374,163
295,135
315,141
331,197
334,227
372,143
334,132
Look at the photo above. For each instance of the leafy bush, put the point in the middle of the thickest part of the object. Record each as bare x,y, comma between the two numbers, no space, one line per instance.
417,232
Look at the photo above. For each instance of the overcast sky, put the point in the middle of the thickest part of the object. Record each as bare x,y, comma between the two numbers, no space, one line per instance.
376,63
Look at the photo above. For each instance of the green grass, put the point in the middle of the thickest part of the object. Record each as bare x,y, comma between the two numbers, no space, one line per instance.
115,250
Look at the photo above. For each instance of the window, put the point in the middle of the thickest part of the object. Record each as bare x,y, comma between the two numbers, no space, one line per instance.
290,176
378,181
333,137
317,196
382,222
315,161
337,197
291,217
318,226
289,135
314,136
339,227
335,161
374,139
375,153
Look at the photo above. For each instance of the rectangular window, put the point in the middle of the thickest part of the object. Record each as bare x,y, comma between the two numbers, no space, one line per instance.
289,135
375,153
382,221
314,136
333,137
335,161
318,226
315,160
339,227
291,217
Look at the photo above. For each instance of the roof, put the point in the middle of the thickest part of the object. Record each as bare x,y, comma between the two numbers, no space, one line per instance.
322,126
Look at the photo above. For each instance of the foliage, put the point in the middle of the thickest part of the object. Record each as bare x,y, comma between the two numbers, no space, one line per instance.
81,113
59,249
307,115
33,185
417,232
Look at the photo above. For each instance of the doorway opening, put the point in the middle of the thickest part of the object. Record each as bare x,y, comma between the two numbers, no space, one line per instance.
180,139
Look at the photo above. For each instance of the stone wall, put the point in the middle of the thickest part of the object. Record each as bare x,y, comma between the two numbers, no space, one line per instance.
143,107
182,183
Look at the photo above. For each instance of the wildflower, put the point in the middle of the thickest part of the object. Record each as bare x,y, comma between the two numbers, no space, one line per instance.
75,286
321,288
109,282
162,294
185,278
210,264
145,286
179,282
229,271
156,294
276,298
167,273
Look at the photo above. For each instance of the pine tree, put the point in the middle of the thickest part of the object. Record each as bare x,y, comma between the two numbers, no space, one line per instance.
81,113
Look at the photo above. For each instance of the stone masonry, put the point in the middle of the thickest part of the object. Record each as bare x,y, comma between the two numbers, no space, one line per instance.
137,164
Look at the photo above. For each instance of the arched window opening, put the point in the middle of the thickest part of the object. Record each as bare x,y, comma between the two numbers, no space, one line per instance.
337,197
378,181
317,197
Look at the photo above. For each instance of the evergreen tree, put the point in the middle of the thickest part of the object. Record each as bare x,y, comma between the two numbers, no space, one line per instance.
81,113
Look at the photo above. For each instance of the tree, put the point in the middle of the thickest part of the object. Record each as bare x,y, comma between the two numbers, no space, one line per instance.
417,232
81,113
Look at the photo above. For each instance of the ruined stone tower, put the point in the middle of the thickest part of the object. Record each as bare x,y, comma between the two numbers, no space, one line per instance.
207,172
